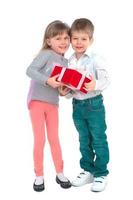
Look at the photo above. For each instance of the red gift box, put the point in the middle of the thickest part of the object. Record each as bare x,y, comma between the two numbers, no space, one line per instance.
71,77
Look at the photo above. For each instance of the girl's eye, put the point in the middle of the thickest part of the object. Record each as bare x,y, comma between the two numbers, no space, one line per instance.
66,38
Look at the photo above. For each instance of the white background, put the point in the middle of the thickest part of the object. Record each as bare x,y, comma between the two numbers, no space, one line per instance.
22,25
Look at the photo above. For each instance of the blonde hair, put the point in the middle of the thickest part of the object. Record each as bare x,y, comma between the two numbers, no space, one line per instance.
54,28
83,24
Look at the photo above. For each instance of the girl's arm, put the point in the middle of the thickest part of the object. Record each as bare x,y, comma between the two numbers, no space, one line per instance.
33,71
63,90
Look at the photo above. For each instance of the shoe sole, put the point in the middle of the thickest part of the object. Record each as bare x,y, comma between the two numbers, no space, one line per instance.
38,188
78,185
61,184
92,190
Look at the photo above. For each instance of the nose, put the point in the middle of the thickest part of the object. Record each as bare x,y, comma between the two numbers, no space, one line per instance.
78,41
63,41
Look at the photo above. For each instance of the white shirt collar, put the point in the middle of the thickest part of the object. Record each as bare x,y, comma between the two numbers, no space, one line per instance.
87,53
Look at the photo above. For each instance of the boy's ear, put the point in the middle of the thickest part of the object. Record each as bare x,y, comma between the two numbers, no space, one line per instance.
92,40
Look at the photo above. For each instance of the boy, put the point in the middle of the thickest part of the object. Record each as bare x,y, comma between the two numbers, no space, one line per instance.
88,109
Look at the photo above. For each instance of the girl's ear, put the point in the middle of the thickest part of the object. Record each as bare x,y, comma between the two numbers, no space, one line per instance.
48,42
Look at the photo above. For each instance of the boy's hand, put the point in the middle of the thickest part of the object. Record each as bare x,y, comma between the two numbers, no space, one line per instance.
52,81
91,85
63,90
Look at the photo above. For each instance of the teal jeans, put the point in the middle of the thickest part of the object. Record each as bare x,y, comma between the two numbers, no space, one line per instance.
89,120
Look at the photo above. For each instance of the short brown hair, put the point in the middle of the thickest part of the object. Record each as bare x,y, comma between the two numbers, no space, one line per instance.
83,24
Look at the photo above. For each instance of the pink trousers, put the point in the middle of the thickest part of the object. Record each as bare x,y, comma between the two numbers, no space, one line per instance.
45,115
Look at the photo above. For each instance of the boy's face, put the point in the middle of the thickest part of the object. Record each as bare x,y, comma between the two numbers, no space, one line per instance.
80,41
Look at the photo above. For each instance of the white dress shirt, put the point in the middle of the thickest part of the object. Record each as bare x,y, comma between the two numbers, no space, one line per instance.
90,63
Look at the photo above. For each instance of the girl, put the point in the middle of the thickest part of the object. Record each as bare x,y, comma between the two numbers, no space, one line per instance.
43,100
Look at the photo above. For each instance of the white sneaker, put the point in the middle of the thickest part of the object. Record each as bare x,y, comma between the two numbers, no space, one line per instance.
82,179
99,184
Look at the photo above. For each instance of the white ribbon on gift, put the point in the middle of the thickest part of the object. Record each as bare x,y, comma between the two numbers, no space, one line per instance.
62,73
80,82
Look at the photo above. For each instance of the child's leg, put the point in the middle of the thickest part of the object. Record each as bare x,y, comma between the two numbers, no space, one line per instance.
53,138
85,139
38,122
97,126
87,159
52,134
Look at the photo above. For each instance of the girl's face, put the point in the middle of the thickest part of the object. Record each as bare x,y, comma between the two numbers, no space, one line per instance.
59,43
80,42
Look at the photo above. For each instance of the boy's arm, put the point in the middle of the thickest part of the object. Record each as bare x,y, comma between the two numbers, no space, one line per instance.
33,71
101,74
100,78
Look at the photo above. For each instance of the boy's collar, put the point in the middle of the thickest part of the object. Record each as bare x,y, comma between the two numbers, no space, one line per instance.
87,52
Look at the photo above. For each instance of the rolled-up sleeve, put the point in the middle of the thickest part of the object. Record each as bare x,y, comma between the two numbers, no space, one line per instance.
101,73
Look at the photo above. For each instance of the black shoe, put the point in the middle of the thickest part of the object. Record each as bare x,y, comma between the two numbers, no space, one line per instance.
38,188
63,184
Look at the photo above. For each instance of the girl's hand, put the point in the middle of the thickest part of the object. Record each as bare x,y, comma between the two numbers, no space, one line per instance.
63,90
91,85
52,82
